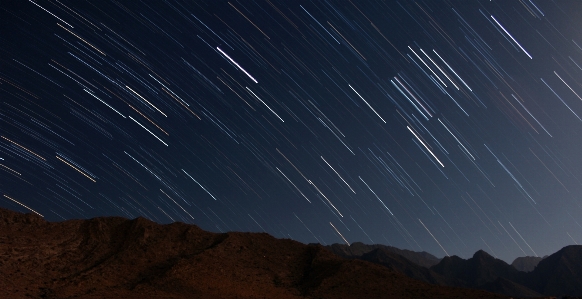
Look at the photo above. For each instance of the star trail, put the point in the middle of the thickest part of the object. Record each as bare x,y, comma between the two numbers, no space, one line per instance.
438,126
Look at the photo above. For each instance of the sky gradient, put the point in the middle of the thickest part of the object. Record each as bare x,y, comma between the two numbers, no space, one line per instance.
438,126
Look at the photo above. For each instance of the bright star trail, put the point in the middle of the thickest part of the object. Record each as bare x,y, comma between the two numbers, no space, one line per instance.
328,121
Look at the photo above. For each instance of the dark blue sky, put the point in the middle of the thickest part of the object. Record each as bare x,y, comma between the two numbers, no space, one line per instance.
443,126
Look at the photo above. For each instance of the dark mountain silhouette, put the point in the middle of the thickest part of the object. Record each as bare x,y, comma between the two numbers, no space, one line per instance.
559,273
483,271
396,262
357,249
526,263
112,257
476,271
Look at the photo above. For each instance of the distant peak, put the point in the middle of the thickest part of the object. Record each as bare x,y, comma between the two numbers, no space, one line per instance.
481,254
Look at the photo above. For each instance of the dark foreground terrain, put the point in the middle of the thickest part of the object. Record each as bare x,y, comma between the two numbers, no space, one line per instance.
118,258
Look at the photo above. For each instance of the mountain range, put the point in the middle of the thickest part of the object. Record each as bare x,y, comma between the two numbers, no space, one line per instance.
113,257
356,249
559,274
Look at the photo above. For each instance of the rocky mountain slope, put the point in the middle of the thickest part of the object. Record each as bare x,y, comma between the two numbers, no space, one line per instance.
114,257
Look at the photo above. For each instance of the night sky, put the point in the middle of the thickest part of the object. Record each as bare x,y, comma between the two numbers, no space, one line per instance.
443,126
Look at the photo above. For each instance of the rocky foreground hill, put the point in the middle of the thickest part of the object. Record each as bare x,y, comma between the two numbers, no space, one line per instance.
113,257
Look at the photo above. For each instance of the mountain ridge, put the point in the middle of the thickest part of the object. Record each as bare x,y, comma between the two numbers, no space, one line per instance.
114,257
138,258
482,271
423,259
